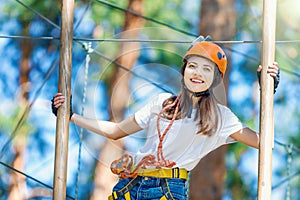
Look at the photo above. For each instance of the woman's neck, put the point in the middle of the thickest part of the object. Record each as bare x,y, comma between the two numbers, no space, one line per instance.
195,100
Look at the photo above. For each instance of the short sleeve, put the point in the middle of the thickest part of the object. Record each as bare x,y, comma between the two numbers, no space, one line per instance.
230,124
143,115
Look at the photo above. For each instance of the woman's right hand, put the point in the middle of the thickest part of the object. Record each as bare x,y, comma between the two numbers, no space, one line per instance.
57,100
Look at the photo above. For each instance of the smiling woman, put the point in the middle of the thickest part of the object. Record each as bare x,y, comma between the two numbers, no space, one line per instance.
181,129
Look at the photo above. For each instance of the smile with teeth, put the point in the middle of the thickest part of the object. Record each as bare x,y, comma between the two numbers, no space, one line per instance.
198,81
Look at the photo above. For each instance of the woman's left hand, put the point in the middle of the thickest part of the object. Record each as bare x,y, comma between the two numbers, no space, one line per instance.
274,71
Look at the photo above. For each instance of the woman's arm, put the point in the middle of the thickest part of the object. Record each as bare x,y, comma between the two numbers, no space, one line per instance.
247,136
108,129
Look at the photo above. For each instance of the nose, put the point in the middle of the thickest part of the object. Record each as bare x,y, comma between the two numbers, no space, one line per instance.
198,71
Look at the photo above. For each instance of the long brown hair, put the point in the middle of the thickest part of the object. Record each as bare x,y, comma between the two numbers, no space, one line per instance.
207,113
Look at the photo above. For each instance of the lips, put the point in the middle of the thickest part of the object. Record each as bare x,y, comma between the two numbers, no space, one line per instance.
197,81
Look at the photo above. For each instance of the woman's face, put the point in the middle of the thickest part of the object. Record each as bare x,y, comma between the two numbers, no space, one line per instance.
199,73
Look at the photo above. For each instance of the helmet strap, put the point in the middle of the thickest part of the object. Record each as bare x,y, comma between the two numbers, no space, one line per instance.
195,94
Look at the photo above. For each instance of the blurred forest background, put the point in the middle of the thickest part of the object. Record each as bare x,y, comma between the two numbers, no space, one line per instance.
112,78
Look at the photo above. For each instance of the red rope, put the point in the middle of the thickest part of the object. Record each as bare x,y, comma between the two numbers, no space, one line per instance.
125,167
160,156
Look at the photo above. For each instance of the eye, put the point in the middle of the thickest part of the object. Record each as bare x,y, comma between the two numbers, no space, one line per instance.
191,65
205,68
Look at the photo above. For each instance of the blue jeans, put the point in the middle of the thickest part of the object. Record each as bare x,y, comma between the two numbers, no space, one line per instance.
152,188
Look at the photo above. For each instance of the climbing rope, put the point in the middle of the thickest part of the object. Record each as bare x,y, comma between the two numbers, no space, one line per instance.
289,149
160,157
89,50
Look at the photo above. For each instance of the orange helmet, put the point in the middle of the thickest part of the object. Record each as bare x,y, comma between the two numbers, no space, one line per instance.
210,51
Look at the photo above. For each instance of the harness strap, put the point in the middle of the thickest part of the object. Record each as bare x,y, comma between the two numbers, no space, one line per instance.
163,198
125,191
165,173
166,190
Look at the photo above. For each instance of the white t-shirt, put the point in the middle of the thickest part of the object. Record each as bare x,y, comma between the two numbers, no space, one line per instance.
182,144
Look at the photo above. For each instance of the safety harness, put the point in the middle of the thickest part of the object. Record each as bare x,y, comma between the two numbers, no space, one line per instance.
162,173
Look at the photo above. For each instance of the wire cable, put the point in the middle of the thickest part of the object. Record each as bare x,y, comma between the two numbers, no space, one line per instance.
146,18
28,37
31,178
37,13
156,21
297,173
82,16
130,71
28,108
287,146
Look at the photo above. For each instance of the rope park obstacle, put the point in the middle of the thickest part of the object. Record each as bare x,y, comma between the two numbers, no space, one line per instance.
85,97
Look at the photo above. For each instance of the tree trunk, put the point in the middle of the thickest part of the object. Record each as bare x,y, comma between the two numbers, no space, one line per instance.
120,97
207,179
17,187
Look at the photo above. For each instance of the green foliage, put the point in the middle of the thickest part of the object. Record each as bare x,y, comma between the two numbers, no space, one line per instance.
108,17
9,122
48,9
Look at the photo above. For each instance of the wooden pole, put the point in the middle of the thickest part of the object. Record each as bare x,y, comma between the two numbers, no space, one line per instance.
266,102
64,86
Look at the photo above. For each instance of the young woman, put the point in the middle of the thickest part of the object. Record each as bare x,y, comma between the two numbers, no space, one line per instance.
180,129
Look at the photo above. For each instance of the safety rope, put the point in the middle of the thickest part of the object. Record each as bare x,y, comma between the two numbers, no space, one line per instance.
160,157
289,162
89,50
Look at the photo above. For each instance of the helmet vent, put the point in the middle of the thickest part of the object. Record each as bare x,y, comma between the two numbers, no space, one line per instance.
220,56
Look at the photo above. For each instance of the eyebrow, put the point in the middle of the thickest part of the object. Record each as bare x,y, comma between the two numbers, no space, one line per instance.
208,66
205,65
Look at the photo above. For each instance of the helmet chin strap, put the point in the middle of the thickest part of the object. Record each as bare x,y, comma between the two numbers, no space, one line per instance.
195,94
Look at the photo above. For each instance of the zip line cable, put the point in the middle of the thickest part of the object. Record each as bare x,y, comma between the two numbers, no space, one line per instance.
150,41
167,41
